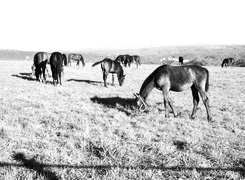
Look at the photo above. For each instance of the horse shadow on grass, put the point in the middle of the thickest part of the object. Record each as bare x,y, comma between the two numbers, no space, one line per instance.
28,76
34,165
25,76
41,168
86,81
125,105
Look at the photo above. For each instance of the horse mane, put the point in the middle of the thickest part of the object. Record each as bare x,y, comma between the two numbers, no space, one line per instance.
148,84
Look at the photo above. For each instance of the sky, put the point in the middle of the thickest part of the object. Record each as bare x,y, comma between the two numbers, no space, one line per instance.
50,25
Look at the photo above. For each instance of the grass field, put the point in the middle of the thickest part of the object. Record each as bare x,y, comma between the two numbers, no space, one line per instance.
82,130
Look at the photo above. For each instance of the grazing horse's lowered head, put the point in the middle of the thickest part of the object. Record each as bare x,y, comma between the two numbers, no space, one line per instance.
176,78
228,61
77,58
140,102
110,66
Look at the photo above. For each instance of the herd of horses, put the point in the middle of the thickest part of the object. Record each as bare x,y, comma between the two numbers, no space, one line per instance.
165,78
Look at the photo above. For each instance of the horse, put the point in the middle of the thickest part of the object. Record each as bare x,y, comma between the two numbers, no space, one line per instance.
64,57
76,57
176,78
56,64
39,66
228,61
110,66
123,59
181,60
134,58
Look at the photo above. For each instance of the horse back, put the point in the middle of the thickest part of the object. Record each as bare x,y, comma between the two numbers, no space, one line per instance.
56,62
39,58
111,66
179,78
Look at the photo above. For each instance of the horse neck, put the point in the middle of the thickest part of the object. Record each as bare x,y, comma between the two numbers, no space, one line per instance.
147,86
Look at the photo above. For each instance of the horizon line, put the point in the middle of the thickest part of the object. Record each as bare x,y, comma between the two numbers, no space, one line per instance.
122,48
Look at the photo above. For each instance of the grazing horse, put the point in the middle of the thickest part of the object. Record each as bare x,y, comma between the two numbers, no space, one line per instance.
64,57
56,64
39,66
110,66
181,60
228,61
176,78
134,58
123,59
76,57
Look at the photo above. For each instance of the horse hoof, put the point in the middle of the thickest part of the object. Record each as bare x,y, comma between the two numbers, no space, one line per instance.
192,117
210,119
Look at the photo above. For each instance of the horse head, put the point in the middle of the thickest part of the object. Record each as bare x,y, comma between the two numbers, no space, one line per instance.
121,80
33,68
140,103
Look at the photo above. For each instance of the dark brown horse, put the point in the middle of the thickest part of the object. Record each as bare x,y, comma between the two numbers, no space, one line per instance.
56,64
181,60
132,59
110,66
77,58
39,66
228,62
176,78
123,59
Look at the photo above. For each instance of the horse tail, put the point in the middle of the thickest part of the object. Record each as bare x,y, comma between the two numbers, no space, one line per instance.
207,81
97,63
83,61
65,59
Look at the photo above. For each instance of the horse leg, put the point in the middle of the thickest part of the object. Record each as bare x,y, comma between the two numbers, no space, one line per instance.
195,101
44,75
168,102
206,103
172,106
112,80
104,78
165,101
165,106
60,78
37,74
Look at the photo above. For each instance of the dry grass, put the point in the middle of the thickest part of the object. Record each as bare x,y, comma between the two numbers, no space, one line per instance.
82,130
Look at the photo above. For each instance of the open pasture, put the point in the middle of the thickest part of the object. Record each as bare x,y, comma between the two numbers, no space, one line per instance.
82,130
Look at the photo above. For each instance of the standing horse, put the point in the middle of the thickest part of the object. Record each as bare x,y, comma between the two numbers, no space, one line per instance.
39,66
134,58
56,64
123,59
77,58
181,60
110,66
176,78
228,61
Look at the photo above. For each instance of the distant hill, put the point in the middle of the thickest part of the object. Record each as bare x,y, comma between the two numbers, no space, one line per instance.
213,54
16,55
